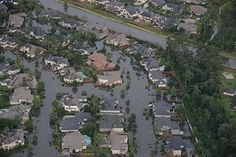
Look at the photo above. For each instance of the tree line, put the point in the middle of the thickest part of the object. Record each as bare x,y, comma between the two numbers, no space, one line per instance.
199,76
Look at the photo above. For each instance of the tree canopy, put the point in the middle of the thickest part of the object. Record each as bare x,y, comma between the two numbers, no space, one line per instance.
199,76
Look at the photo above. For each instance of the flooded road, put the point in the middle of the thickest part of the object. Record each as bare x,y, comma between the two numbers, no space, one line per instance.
137,33
138,95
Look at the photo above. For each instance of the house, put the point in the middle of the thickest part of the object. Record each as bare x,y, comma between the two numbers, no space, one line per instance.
18,111
22,80
158,78
111,122
230,92
70,23
173,7
17,20
177,146
12,140
167,127
130,12
76,46
228,75
198,9
72,123
56,62
174,145
146,16
151,64
21,95
5,82
188,25
100,31
100,62
111,107
75,142
31,50
7,69
139,49
109,78
163,22
118,40
64,39
164,109
114,6
119,143
70,75
72,103
38,33
7,42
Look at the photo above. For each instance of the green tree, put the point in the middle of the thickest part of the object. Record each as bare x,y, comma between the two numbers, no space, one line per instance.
102,155
40,87
29,126
132,122
4,101
11,123
173,90
89,128
36,102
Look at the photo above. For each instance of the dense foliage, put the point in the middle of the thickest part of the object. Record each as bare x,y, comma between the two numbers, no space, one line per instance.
199,76
226,37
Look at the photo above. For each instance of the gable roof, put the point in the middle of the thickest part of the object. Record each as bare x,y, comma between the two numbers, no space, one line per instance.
162,108
119,142
22,93
74,122
198,9
174,143
74,141
19,79
132,10
165,124
110,105
16,20
111,121
72,100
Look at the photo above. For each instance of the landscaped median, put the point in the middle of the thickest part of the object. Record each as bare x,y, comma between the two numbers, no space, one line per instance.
87,7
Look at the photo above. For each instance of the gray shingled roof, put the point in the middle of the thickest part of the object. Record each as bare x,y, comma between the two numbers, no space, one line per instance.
74,122
111,121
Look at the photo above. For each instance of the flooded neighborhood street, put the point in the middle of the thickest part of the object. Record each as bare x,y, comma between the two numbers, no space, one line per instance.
138,95
119,78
